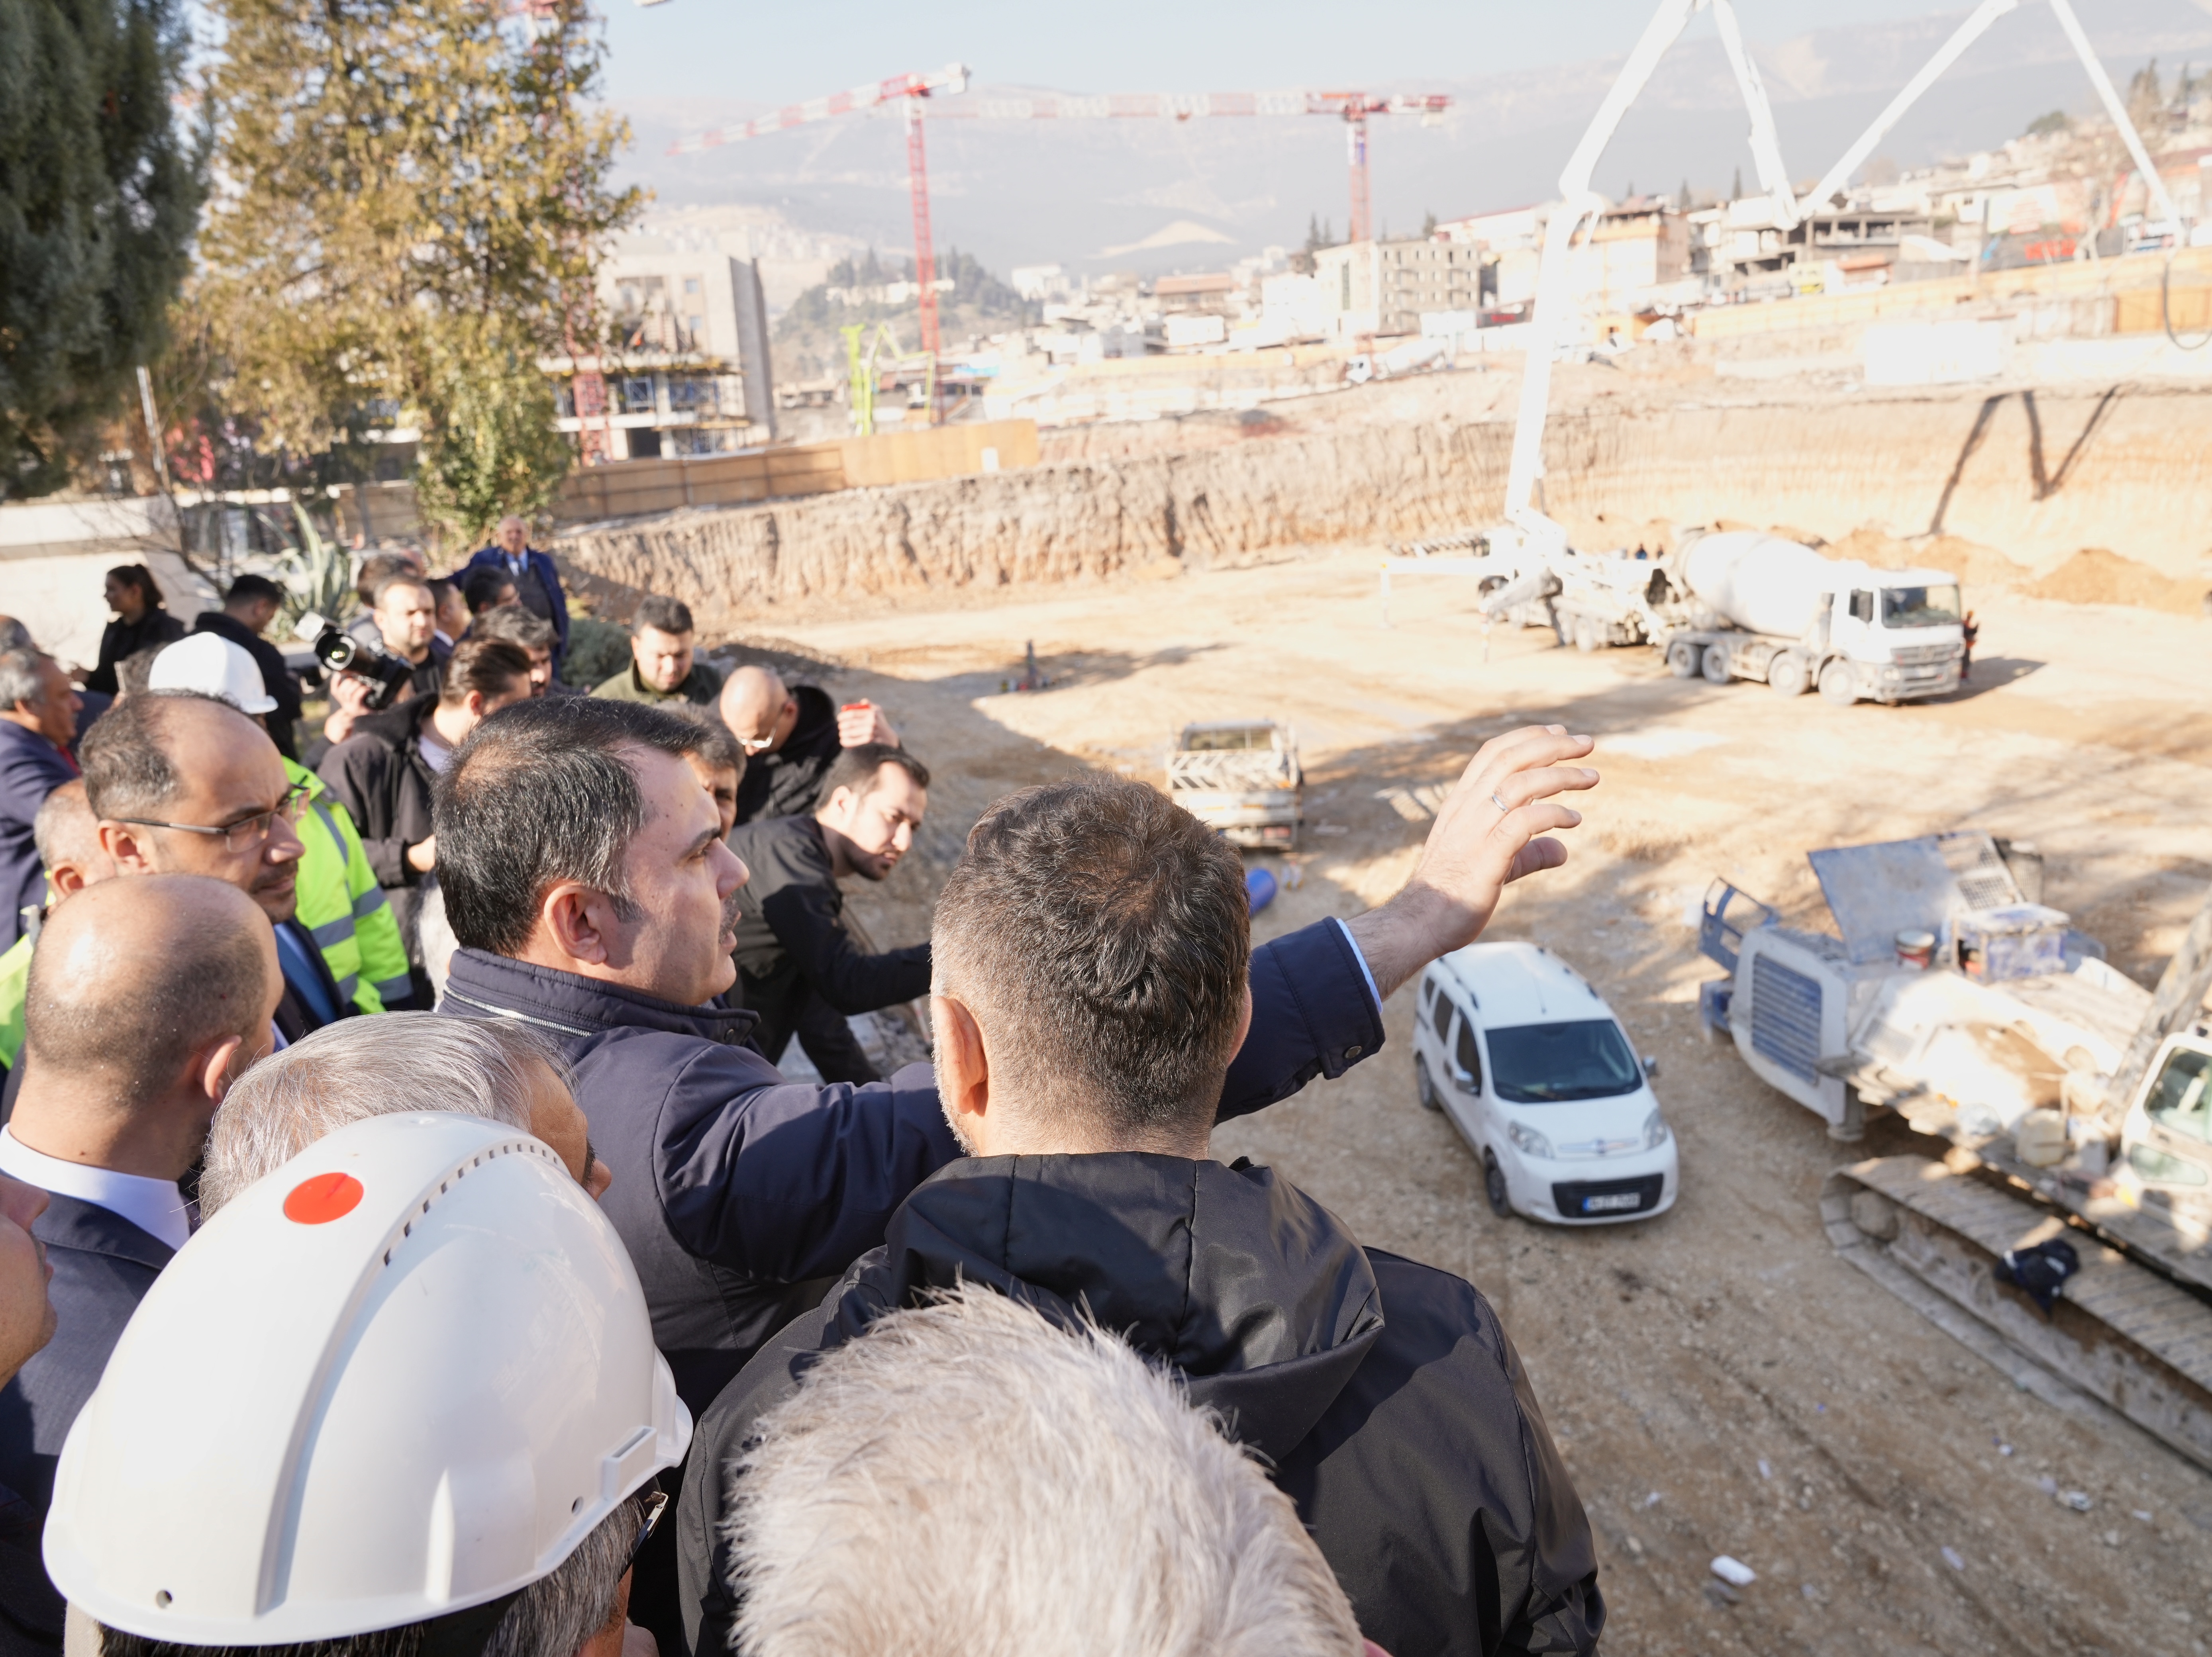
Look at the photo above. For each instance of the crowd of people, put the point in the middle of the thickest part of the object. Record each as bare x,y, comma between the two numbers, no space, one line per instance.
409,1244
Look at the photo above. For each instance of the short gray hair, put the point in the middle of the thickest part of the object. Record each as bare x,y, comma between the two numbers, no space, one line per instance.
1005,1489
22,676
14,635
357,1068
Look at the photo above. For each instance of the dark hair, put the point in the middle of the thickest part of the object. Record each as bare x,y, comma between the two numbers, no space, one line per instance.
403,579
662,616
514,624
711,739
857,768
543,792
480,587
440,588
137,575
487,666
126,767
139,1031
134,671
378,568
253,587
1104,935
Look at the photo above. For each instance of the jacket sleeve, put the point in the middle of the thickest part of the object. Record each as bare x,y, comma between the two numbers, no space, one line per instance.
1313,1014
550,578
804,921
375,928
1564,1609
357,772
783,1181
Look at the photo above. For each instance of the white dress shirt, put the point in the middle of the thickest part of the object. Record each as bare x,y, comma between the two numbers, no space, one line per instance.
156,1207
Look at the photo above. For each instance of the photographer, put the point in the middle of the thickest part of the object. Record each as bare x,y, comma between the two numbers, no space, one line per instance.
383,774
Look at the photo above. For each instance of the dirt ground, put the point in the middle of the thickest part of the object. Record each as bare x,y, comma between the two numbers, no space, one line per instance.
1719,1381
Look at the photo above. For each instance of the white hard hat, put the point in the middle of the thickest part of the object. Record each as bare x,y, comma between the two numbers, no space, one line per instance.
210,663
402,1376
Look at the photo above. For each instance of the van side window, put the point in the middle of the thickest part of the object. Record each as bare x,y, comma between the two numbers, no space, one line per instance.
1470,1056
1440,1021
1863,606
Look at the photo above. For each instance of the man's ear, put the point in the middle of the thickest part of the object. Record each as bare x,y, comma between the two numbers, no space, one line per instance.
125,847
1243,1024
566,915
964,1069
475,704
212,1073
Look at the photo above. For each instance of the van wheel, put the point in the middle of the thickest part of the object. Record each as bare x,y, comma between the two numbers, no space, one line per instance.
1785,674
1424,1088
1717,665
1683,659
1493,1187
1839,684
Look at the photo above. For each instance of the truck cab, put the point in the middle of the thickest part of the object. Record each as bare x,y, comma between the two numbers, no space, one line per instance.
1894,635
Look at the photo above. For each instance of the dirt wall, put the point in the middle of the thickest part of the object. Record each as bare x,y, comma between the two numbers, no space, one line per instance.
2036,476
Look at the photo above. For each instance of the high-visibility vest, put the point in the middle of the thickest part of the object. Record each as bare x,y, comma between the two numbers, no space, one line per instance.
341,905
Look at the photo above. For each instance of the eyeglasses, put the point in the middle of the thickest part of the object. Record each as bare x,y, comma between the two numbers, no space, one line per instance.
656,1503
246,832
754,744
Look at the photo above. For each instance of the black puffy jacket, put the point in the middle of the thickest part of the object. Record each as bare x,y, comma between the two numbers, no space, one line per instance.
1393,1407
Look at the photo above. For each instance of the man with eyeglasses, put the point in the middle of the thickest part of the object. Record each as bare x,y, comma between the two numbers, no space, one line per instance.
183,783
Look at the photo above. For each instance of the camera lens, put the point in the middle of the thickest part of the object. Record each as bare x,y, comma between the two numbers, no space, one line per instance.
336,651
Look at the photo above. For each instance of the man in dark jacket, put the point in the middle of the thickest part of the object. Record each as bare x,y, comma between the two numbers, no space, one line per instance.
37,722
795,956
1092,955
537,577
383,774
31,1611
146,997
791,738
247,608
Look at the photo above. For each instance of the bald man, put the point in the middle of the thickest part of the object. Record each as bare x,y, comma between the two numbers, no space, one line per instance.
147,999
791,736
68,838
185,784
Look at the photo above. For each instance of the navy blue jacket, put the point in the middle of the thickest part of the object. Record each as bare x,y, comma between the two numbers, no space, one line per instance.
31,768
731,1185
103,1267
541,565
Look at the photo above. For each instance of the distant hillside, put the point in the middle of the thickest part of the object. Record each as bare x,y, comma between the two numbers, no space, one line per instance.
810,341
1028,192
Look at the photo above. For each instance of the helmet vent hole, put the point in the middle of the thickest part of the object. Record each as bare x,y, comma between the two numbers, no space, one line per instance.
161,1599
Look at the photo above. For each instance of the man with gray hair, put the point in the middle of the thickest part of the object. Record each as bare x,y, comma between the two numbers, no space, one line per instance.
967,1480
1092,957
38,724
347,1072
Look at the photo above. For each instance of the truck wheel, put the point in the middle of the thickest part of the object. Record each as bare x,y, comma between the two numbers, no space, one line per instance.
1839,686
1717,665
1683,659
1785,674
1586,639
1425,1088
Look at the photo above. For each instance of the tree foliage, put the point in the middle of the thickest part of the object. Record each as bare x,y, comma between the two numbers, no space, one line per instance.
99,194
415,196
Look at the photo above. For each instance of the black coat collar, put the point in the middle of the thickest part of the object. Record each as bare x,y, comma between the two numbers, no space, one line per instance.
484,984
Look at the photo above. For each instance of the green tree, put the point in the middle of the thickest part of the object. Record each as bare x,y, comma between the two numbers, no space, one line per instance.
417,194
99,194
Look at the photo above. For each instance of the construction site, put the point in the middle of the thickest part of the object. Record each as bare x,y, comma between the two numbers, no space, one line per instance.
1895,881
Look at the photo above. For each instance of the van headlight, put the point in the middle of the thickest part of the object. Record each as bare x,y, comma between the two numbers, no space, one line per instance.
1531,1143
1654,1130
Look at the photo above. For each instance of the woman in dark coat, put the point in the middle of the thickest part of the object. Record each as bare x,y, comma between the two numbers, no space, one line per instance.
141,619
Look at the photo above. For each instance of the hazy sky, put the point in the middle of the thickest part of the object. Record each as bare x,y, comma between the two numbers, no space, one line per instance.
784,53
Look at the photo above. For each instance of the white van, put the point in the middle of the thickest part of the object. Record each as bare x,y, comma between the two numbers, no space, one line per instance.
1533,1069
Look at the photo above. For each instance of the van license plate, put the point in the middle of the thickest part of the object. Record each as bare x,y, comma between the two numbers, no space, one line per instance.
1628,1199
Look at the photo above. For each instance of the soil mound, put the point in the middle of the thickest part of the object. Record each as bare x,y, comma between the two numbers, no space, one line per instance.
1974,564
2096,576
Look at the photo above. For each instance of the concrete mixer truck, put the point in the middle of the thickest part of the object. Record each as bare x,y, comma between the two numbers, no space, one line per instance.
1741,605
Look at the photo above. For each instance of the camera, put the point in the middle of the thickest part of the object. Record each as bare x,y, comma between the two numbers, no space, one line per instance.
338,651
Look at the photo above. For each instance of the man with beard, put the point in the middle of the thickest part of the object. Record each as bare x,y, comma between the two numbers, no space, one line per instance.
797,967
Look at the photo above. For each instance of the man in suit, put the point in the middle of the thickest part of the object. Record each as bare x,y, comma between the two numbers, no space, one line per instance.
31,1612
536,579
147,999
37,722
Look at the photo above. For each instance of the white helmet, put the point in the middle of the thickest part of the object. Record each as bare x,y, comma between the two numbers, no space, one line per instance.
404,1375
210,663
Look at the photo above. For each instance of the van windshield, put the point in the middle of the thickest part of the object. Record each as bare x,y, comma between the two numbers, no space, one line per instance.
1919,606
1544,1063
2181,1100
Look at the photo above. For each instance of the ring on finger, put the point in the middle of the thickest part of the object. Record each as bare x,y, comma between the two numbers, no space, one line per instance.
1498,803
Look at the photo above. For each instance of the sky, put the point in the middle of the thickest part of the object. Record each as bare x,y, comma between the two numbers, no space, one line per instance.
786,53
